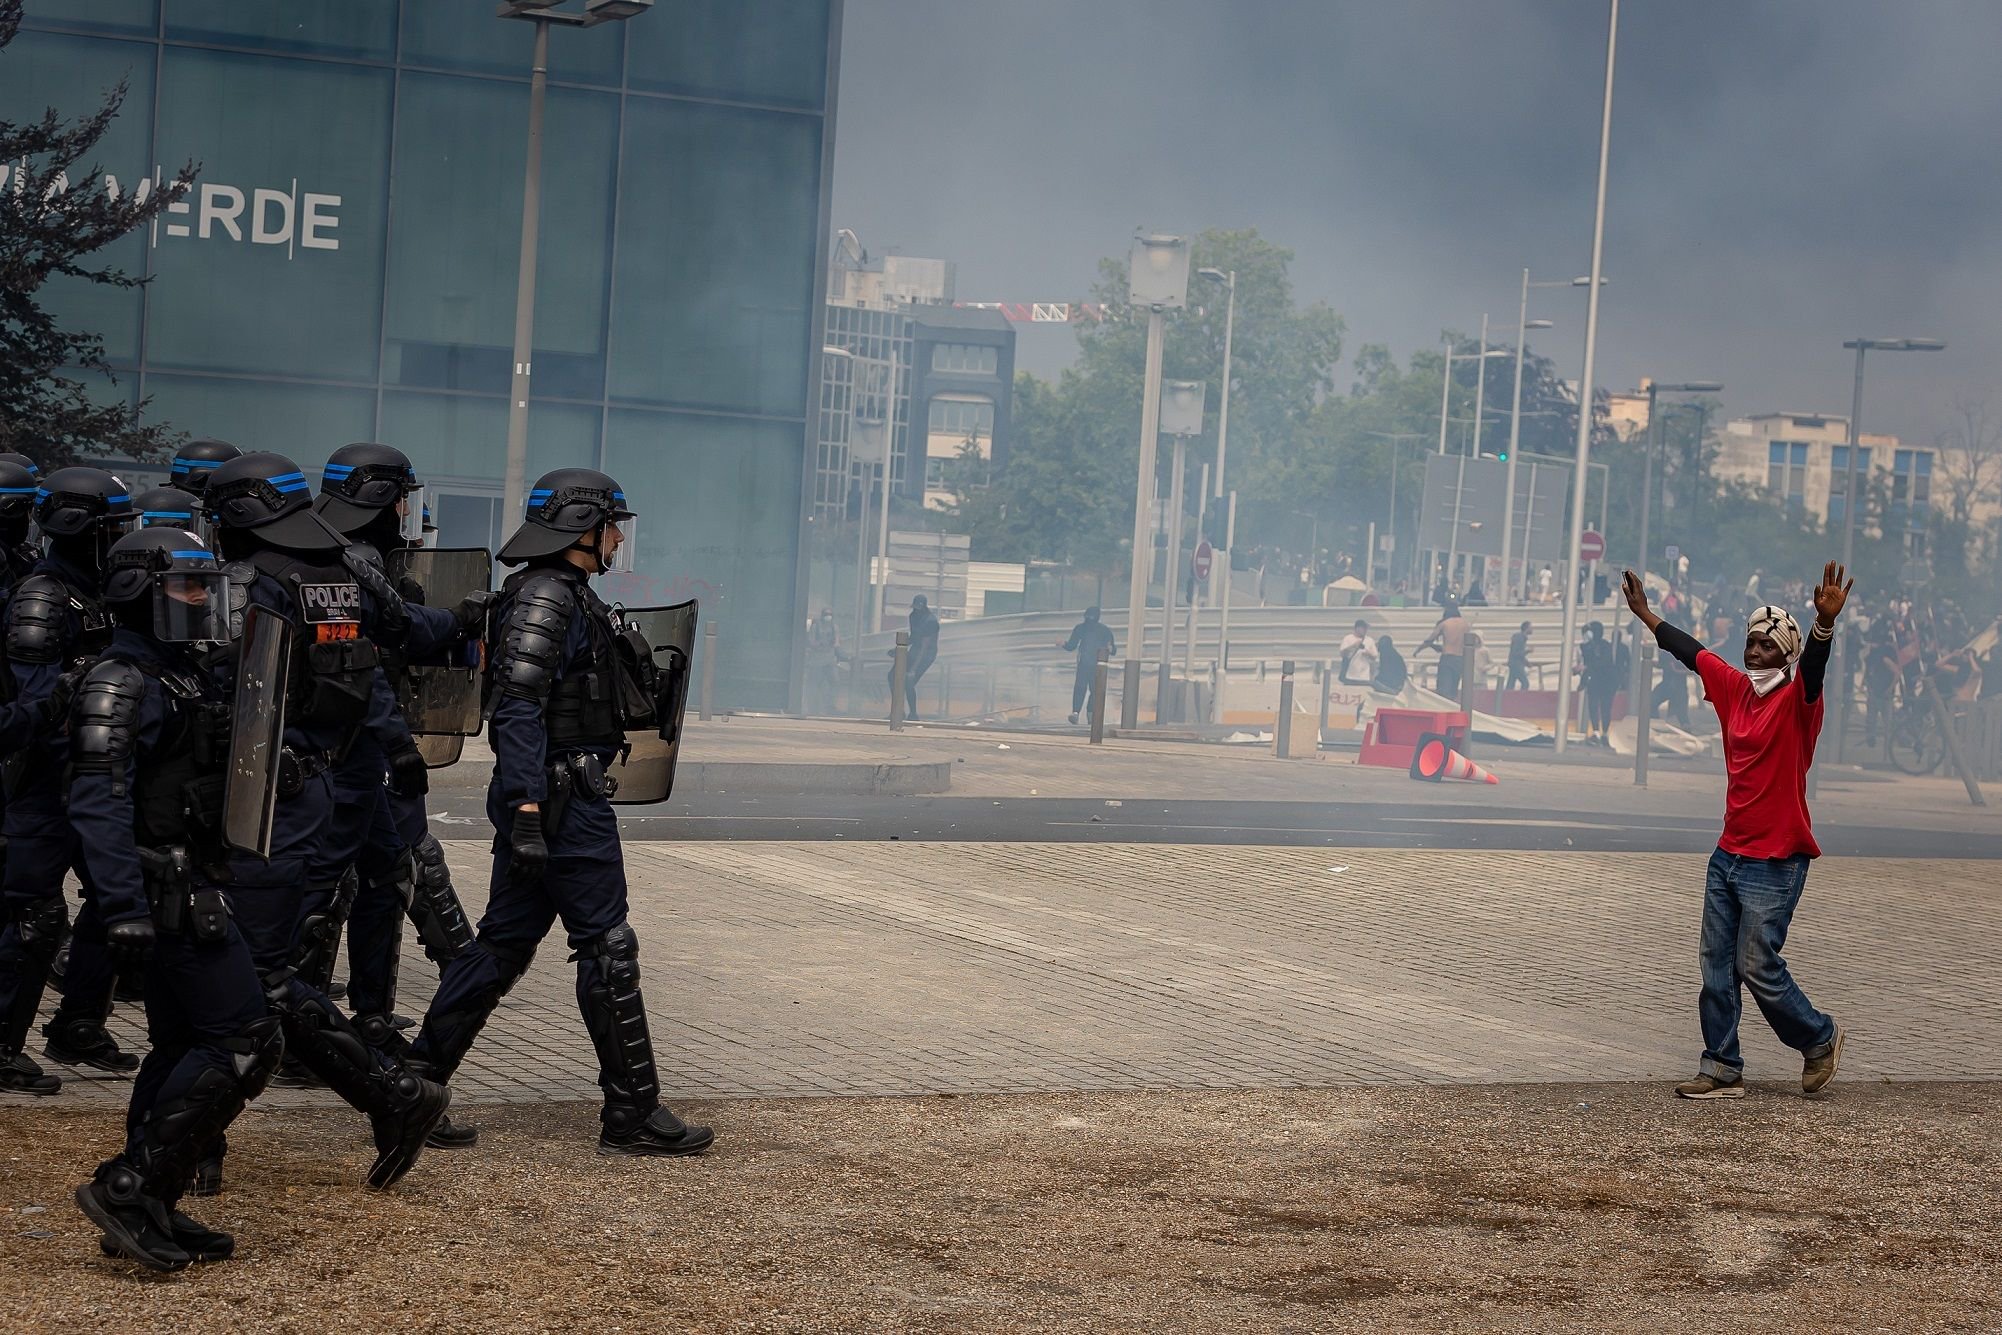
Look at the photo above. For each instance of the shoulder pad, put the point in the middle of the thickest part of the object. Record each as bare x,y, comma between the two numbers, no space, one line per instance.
38,620
104,718
531,633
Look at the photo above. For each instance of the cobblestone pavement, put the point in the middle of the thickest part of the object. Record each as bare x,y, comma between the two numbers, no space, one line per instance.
893,968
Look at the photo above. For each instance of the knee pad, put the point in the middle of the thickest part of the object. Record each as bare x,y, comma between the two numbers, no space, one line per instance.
254,1053
42,925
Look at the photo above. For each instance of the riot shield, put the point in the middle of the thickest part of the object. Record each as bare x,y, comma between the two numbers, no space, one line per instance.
441,701
647,772
439,749
256,730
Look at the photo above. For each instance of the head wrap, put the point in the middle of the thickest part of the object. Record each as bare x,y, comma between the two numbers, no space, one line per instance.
1777,624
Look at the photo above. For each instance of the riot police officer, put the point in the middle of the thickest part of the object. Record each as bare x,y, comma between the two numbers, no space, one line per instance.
557,683
56,622
171,507
196,460
149,740
379,842
284,564
17,508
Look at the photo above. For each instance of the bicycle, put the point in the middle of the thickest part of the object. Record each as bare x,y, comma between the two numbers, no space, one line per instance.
1916,745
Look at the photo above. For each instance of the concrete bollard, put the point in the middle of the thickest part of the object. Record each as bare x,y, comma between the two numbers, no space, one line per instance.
898,664
708,667
1327,676
1129,700
1100,677
1282,725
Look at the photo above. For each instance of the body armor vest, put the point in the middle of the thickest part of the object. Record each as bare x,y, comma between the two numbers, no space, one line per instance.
177,795
334,662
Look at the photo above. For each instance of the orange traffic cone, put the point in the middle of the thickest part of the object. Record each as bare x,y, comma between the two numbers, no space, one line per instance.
1436,761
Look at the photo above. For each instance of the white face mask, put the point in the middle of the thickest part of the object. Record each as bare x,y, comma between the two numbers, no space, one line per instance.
1766,680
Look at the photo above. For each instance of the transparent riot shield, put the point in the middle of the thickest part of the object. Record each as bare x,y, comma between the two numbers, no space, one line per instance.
439,750
257,730
440,701
647,772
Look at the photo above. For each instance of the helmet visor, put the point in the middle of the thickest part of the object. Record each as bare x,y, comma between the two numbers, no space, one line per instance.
191,605
193,520
620,535
410,517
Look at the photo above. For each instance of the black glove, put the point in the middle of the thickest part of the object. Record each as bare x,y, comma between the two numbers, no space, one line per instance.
471,614
528,855
56,704
408,774
129,943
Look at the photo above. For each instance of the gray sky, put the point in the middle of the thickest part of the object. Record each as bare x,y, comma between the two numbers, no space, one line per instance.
1786,174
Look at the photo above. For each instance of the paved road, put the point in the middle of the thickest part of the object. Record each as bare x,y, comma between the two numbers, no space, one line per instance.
728,817
897,968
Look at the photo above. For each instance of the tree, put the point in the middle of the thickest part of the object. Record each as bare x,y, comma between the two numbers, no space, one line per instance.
1968,472
50,226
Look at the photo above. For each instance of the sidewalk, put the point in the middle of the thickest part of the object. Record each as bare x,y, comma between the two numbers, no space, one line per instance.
778,969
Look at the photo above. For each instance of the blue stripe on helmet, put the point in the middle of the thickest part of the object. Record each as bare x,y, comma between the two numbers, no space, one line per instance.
339,470
288,477
618,495
166,514
18,491
195,554
185,464
121,496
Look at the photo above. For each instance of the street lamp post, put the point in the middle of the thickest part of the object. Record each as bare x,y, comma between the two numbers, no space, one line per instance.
1523,325
1445,397
1182,404
1577,535
1157,278
1396,439
542,13
1640,686
1850,506
1223,567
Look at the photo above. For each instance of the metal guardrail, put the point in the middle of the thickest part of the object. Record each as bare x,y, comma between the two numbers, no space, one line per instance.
1307,633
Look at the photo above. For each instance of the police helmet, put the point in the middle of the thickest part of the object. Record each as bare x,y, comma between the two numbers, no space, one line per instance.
562,507
21,460
71,502
17,491
196,460
171,507
267,494
174,570
362,480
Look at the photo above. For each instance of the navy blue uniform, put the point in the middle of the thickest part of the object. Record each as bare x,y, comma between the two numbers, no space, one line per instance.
160,737
53,623
554,724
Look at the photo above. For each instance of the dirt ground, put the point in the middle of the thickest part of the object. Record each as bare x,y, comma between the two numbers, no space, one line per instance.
1538,1207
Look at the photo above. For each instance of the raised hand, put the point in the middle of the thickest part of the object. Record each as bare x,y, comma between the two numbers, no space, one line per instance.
1636,592
1832,594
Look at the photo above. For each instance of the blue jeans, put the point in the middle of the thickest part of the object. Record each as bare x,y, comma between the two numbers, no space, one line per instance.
1748,905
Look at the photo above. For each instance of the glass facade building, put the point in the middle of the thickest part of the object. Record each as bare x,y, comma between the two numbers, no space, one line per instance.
344,268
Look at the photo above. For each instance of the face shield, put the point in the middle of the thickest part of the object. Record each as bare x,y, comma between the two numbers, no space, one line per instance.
619,535
410,512
191,605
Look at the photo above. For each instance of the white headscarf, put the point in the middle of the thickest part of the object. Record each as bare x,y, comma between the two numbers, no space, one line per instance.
1777,624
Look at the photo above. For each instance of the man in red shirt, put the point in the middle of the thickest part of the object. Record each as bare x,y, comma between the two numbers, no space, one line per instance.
1771,715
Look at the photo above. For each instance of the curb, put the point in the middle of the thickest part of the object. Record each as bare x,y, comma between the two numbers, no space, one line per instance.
861,779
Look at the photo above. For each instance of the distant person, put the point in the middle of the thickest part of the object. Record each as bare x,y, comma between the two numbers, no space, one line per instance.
1477,596
823,653
1673,692
923,650
1357,666
1092,641
1544,579
1771,715
1880,676
1518,660
1752,587
1391,673
1450,636
1600,674
1442,593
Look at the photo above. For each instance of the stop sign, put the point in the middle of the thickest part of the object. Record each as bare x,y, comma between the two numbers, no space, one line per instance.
1591,545
1202,560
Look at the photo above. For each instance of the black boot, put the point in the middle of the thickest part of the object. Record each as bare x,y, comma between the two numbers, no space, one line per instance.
83,1041
402,1108
136,1226
197,1239
404,1128
656,1134
20,1074
447,1135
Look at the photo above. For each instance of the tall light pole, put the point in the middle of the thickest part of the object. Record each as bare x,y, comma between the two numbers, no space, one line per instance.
1396,439
1579,474
1523,325
1182,404
1849,501
1480,388
1640,687
1229,280
542,13
1445,397
1157,277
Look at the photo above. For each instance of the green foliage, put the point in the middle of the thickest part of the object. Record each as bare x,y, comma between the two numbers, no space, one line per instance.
50,225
